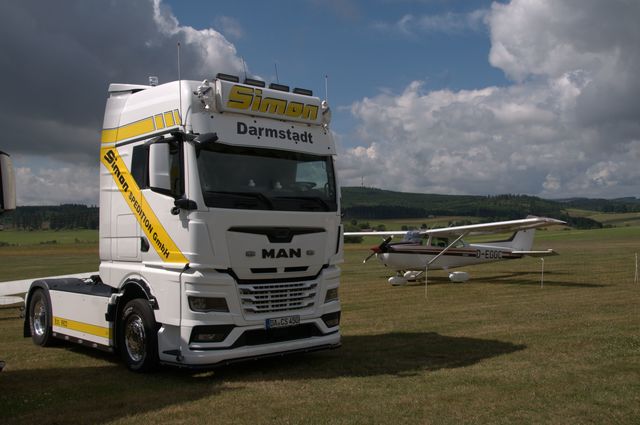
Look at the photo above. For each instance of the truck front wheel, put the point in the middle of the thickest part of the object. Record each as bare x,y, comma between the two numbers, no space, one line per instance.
40,318
138,337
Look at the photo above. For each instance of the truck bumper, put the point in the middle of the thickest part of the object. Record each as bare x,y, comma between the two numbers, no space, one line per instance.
252,343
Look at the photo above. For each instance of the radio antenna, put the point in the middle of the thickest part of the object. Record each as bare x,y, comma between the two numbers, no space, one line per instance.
326,87
244,66
275,65
179,88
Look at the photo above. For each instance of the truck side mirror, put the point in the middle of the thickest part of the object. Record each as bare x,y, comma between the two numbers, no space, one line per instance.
159,167
7,184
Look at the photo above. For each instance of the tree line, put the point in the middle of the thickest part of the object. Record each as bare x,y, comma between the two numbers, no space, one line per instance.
369,204
66,216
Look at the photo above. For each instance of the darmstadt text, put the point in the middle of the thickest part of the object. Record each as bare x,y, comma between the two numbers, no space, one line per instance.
288,134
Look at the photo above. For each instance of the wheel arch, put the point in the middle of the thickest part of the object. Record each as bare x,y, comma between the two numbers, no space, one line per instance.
132,288
137,288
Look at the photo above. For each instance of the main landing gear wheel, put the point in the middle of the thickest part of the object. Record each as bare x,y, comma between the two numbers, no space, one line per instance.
40,319
138,336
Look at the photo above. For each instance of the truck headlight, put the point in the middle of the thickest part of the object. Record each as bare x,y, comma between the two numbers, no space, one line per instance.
205,304
332,295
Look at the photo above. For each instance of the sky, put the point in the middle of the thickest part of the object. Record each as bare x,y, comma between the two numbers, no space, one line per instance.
537,97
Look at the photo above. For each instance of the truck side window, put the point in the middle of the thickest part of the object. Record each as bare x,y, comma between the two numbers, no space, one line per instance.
140,166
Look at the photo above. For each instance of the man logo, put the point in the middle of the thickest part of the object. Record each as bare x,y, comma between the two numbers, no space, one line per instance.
282,253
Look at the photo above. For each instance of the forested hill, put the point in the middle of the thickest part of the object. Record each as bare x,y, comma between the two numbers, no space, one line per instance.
372,203
368,203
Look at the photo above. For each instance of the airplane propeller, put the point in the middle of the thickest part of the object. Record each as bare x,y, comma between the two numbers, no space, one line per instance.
378,248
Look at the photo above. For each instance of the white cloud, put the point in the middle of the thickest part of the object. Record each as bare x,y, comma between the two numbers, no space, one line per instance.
62,183
230,26
213,47
569,125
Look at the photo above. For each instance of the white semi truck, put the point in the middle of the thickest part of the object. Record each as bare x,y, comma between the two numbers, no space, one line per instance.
220,236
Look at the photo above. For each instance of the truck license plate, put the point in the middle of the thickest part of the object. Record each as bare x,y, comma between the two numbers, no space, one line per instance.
282,322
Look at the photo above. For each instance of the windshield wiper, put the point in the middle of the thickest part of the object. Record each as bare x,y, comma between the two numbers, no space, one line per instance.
255,195
316,199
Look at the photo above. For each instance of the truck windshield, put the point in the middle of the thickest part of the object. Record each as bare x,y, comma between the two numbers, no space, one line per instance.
266,179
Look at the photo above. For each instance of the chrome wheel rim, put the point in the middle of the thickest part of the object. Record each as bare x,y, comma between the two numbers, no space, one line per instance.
134,338
39,318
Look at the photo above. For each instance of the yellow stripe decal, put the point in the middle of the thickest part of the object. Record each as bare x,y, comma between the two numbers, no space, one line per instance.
82,327
168,118
136,129
153,229
159,122
109,136
142,127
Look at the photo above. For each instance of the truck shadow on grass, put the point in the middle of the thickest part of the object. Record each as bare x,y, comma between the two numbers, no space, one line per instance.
101,391
395,353
93,394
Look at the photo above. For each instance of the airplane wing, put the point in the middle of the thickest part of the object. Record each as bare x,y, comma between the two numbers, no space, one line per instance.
474,229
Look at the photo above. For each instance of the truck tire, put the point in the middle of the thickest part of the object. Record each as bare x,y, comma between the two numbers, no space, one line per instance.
40,318
138,336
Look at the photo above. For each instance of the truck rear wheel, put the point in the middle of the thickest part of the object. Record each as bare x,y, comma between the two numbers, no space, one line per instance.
40,318
138,337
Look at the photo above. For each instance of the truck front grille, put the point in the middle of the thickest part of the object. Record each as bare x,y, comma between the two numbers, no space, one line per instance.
274,297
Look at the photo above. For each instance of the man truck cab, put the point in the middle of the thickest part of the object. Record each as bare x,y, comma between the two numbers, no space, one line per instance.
220,232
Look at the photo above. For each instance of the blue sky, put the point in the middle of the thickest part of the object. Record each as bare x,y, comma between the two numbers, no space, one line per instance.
536,97
358,44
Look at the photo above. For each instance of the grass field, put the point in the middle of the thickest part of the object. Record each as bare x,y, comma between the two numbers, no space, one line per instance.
497,349
609,219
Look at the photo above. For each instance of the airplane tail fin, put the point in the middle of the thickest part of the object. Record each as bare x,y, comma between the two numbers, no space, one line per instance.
522,240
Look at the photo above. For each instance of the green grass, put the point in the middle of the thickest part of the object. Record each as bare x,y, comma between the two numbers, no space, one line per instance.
22,262
44,237
497,349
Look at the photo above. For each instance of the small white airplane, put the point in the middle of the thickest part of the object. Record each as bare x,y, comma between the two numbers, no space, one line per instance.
444,248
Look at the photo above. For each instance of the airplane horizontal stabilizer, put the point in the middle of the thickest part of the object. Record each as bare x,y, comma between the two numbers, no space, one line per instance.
549,252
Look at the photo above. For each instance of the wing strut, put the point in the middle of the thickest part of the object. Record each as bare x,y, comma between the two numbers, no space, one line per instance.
441,253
